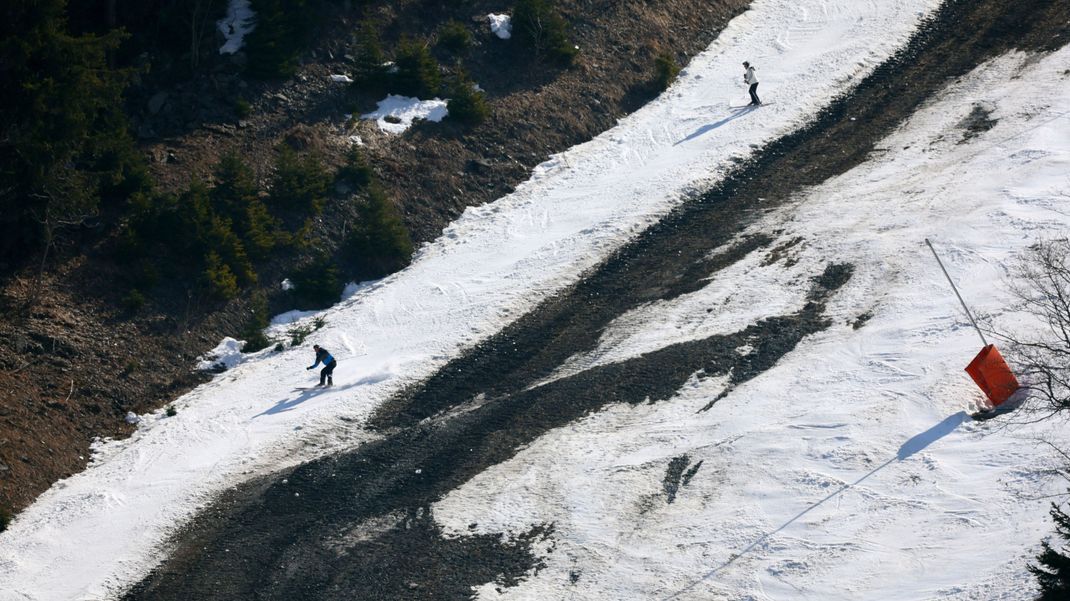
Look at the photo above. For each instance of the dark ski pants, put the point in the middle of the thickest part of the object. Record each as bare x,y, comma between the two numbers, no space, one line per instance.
325,373
754,94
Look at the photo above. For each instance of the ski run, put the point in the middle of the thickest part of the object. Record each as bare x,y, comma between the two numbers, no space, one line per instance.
850,470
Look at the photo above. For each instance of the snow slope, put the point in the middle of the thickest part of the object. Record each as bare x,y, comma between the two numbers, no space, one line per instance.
850,470
101,529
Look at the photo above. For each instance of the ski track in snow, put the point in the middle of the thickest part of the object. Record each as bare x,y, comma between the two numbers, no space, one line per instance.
102,529
850,470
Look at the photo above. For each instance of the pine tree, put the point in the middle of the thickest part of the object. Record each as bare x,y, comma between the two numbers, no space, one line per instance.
417,73
467,104
299,184
61,122
380,243
369,73
538,25
235,196
1053,573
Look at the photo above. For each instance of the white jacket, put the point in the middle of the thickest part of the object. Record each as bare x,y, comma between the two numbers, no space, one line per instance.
750,77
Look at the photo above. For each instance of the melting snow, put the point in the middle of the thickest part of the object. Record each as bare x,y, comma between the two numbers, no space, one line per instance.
405,110
501,25
225,355
239,21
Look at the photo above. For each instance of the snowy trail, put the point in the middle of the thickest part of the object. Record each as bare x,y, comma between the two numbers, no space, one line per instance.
100,528
849,470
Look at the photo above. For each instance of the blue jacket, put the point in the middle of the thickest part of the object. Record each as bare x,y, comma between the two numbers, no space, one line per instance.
324,356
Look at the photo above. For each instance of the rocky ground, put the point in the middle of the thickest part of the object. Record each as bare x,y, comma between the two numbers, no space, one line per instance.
73,363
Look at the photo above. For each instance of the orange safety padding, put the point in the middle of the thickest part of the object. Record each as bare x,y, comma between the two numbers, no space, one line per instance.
990,372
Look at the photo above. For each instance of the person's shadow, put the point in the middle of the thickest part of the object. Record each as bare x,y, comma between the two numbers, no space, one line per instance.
736,114
306,394
909,448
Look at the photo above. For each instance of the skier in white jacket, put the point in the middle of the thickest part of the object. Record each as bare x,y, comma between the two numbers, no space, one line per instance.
751,79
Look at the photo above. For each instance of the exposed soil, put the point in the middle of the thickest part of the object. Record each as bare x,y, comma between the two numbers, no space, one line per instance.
429,447
75,363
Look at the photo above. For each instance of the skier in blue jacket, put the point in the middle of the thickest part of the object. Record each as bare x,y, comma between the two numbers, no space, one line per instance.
322,356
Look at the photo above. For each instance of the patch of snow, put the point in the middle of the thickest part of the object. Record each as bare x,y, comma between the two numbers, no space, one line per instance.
353,288
406,110
290,317
226,355
286,284
341,79
501,25
239,21
132,418
356,140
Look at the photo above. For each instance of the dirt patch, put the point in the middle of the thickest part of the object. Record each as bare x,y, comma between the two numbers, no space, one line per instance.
673,474
976,123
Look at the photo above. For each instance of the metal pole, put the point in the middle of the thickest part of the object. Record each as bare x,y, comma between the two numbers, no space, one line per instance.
953,287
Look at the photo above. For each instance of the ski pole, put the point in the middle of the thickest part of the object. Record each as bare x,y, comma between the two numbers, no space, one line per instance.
953,287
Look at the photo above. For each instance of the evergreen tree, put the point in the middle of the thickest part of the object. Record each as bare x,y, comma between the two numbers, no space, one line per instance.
369,73
455,37
282,29
538,25
356,172
417,73
236,197
318,284
61,122
300,184
665,70
467,104
379,244
1053,573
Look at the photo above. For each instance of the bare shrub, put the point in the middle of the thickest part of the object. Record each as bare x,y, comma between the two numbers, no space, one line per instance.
1042,289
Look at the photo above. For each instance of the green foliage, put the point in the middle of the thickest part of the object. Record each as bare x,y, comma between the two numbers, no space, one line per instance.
538,26
379,244
298,334
369,74
356,172
253,332
665,70
317,284
1053,571
242,108
171,411
455,37
300,184
283,27
319,322
221,282
5,518
417,71
467,105
61,123
236,197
